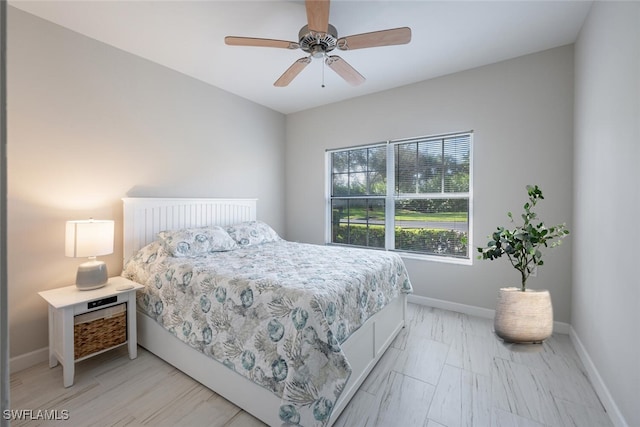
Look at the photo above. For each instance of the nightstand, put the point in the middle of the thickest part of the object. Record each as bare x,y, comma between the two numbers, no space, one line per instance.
86,323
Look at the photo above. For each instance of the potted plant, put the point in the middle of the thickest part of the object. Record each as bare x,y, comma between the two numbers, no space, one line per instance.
522,314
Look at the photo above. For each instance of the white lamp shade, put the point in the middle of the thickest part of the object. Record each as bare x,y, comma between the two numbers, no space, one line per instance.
89,238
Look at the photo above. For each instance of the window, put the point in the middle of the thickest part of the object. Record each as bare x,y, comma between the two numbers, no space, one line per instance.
359,188
410,195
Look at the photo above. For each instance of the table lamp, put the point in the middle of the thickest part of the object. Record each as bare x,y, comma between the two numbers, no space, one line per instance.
90,238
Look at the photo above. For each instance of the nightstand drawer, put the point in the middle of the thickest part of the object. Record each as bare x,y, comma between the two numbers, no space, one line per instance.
99,330
98,303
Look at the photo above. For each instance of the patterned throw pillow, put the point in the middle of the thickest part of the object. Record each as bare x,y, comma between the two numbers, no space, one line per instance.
252,233
193,242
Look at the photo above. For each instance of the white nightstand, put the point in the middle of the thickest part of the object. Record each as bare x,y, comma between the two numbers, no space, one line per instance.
66,304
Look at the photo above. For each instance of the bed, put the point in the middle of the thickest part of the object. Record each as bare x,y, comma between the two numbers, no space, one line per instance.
254,318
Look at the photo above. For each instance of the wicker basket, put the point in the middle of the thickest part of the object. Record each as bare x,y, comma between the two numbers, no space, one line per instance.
99,330
523,317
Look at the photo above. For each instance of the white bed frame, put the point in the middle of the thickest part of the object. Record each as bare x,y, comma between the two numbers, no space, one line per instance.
145,217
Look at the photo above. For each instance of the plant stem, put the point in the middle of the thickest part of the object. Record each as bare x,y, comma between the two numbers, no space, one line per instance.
523,275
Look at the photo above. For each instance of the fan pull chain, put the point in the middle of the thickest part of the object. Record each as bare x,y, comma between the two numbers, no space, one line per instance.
323,65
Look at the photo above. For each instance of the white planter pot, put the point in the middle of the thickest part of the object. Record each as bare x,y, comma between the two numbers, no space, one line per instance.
524,317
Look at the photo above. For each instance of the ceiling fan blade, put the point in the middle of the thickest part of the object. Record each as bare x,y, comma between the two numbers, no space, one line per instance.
318,15
292,72
251,41
377,38
344,70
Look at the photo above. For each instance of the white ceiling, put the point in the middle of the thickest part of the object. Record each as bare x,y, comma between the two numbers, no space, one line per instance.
188,36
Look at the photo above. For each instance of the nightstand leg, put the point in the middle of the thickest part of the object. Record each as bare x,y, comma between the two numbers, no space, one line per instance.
131,326
53,360
68,362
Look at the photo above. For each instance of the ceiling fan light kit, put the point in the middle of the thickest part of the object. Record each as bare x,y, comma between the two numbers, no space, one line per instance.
318,38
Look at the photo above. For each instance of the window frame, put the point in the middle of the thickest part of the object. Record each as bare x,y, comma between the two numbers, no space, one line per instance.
391,197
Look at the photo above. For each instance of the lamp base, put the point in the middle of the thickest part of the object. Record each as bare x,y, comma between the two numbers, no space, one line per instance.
91,275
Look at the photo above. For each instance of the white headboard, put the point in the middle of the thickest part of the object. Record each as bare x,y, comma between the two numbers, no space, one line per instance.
144,217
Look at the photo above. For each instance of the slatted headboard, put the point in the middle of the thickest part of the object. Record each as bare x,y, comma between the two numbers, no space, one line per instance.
144,217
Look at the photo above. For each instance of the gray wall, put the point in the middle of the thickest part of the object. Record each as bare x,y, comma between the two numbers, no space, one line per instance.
606,289
521,112
90,124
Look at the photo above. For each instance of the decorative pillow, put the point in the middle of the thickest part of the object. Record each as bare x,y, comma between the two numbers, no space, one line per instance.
193,242
252,233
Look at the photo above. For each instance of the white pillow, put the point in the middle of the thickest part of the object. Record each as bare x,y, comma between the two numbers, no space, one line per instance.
193,242
252,233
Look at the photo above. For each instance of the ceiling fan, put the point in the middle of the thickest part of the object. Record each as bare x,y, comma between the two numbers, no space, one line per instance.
318,38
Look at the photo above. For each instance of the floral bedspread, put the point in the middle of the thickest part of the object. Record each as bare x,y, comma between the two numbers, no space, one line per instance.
275,313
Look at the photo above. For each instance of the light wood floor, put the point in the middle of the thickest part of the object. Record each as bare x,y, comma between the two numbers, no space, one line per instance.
444,369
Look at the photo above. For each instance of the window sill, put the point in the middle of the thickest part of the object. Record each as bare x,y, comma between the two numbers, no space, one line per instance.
412,255
441,259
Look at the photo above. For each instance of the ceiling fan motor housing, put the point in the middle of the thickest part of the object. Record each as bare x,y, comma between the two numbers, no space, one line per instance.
318,44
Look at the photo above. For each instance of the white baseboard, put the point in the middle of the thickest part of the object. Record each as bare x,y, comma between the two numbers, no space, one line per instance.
598,384
27,360
472,310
